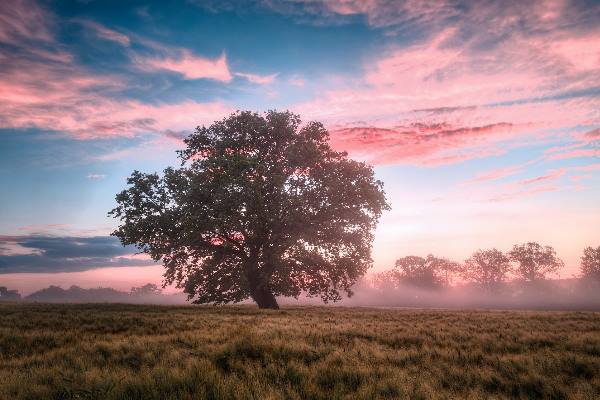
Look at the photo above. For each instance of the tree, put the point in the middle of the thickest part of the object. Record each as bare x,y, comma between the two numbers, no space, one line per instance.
6,294
384,280
534,261
590,264
260,207
429,272
149,289
487,268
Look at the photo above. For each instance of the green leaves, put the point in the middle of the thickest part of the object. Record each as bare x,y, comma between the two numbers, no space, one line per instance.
259,204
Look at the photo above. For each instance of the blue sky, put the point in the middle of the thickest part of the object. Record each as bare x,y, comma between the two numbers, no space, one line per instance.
482,119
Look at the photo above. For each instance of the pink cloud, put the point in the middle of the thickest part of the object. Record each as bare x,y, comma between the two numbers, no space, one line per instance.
576,154
188,65
422,144
553,175
495,174
450,80
258,79
518,194
561,148
593,134
24,20
67,98
41,88
590,167
579,178
106,33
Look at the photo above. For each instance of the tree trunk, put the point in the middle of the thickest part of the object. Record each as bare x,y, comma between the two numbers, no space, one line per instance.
260,292
264,298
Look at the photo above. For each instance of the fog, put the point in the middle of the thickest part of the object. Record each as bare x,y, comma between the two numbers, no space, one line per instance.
566,294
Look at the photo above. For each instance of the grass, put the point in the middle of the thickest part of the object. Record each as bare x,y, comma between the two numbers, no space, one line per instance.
166,352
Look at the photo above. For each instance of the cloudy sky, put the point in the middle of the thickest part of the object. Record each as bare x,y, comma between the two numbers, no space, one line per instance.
482,118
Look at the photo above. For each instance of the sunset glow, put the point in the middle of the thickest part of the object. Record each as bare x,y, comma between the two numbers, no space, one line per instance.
481,118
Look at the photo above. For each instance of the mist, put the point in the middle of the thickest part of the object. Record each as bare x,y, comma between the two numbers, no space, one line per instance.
559,294
564,294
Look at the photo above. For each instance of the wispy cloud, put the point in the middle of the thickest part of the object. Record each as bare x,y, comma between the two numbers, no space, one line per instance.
190,66
258,79
46,89
552,175
96,177
576,154
495,174
531,68
24,20
105,33
521,193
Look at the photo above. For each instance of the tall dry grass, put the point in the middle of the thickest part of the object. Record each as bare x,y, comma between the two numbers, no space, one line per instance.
165,352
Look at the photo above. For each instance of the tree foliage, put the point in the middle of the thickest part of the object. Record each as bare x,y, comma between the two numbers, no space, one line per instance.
590,263
149,289
426,272
260,207
6,294
487,268
534,261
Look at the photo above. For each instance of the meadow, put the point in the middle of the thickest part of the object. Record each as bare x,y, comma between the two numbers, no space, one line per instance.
93,351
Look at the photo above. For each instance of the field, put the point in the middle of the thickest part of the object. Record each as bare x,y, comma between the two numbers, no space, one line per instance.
166,352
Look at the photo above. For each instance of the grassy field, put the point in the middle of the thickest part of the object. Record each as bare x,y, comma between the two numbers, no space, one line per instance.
154,352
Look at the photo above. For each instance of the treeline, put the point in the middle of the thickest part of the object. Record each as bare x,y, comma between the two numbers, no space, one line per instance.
522,278
490,278
149,293
489,269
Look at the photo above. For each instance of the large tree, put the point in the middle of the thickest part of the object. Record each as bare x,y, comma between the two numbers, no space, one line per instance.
260,207
487,269
535,261
590,264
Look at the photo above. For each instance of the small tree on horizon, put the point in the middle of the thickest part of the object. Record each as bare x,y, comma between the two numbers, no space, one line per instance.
535,262
260,207
488,269
590,264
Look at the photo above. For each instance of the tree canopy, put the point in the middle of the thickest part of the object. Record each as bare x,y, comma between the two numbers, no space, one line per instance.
535,261
590,263
488,269
260,207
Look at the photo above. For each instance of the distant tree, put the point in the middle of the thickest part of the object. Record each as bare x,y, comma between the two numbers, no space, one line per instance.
487,268
446,270
428,272
590,264
261,207
9,295
534,261
149,289
384,280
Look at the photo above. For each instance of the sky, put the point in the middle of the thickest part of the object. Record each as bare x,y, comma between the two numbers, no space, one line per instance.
481,118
